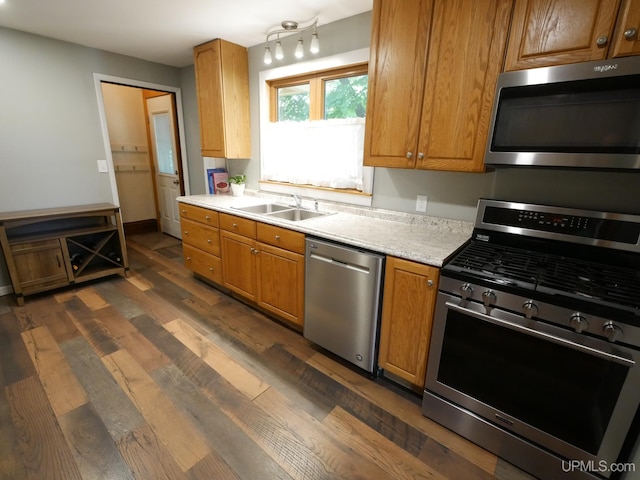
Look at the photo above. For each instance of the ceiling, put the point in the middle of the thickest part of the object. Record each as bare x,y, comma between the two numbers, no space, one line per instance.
165,31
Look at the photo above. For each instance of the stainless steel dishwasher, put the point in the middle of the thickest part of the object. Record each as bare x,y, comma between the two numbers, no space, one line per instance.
342,300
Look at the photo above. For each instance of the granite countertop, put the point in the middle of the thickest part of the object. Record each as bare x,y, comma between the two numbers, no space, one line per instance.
420,238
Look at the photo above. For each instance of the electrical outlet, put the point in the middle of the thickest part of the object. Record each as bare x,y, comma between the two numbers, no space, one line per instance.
102,166
421,203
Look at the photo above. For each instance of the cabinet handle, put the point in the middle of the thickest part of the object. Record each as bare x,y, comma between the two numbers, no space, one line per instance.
420,156
630,33
58,259
409,154
602,41
277,237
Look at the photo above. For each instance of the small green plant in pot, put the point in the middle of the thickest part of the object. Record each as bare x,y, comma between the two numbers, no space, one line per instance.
237,183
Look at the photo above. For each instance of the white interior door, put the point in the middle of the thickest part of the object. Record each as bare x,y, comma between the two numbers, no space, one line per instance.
162,128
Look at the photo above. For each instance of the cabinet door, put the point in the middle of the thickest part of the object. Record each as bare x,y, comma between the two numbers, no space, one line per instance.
239,264
468,40
222,84
281,282
400,32
208,72
39,265
407,313
627,36
554,32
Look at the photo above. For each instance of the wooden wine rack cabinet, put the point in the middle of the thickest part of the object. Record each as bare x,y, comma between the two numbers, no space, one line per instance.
39,245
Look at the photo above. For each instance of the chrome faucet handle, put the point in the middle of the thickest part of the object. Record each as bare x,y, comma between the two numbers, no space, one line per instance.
298,200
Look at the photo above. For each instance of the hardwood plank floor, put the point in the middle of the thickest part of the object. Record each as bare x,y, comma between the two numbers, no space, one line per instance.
160,376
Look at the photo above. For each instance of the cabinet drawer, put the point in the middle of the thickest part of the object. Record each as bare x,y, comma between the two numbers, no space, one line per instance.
239,225
199,214
281,237
202,263
201,236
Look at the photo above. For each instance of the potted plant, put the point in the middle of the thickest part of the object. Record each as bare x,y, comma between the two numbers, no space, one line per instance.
237,183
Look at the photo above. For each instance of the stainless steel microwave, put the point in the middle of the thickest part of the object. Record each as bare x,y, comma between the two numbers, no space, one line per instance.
585,115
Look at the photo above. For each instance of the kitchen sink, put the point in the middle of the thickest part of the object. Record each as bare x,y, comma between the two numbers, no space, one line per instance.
297,214
265,208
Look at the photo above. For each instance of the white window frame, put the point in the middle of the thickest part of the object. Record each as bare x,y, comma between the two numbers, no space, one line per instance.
326,63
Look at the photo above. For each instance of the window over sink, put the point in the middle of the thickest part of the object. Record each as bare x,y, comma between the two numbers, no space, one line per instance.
312,128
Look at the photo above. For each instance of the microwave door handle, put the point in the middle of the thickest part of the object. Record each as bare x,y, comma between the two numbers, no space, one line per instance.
544,336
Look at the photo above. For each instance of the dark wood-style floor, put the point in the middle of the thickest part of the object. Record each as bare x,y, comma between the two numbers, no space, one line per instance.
160,376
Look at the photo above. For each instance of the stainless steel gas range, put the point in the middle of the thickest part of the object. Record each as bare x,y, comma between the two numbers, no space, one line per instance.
536,339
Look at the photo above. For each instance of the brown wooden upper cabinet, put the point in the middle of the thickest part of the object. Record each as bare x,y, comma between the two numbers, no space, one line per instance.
555,32
222,84
432,74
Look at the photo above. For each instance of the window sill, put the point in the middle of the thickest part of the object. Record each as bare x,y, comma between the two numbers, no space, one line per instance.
352,197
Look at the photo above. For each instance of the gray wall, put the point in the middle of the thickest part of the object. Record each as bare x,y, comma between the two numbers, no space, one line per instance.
50,134
192,129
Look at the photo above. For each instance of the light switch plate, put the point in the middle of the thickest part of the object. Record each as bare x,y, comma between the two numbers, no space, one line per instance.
102,166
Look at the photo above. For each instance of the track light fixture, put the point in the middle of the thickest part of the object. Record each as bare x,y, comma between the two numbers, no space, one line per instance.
289,26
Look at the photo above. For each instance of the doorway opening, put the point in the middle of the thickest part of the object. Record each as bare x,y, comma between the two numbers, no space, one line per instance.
143,133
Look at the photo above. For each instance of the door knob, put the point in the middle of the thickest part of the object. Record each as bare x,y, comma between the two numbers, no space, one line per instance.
176,182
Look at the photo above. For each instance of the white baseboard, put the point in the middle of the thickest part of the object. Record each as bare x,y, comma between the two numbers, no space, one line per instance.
5,290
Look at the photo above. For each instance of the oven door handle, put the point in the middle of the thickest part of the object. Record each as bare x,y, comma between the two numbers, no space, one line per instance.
544,336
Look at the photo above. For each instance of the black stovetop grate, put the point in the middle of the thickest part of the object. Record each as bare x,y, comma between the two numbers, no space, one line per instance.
553,274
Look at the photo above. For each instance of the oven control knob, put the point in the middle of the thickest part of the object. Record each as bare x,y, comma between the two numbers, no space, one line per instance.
530,309
578,322
466,290
612,331
489,298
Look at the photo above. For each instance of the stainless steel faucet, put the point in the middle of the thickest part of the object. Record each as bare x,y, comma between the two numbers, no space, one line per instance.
298,200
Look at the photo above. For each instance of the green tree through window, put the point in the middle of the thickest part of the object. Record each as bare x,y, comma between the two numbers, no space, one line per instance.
331,94
345,97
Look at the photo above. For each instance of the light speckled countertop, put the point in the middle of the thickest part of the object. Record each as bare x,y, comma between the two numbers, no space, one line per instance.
420,238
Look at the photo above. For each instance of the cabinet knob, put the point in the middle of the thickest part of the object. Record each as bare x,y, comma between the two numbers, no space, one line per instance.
208,240
420,155
430,283
207,217
188,259
211,269
630,33
602,41
277,237
186,232
184,211
409,154
234,225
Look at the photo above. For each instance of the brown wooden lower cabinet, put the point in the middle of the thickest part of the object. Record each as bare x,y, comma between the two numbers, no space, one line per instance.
262,263
202,263
239,264
407,316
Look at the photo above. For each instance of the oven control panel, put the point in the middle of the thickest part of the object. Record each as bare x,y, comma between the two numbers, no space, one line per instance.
535,310
576,225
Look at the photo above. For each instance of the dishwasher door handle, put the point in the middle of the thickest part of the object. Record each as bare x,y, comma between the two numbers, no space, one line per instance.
338,263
